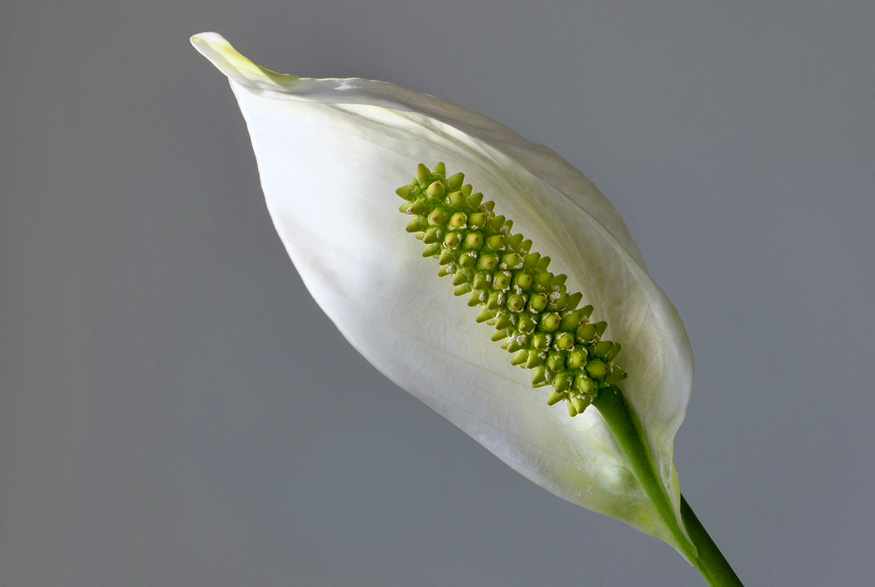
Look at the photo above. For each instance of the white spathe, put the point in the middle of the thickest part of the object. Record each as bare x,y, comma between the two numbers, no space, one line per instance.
332,152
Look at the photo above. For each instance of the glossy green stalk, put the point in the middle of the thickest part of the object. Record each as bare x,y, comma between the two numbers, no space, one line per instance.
709,560
698,549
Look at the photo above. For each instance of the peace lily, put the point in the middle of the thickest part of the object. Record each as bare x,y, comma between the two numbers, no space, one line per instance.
332,153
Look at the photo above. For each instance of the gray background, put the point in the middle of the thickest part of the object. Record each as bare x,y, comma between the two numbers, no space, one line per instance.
176,410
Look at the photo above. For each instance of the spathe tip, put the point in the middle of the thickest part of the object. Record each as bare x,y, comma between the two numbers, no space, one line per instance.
237,67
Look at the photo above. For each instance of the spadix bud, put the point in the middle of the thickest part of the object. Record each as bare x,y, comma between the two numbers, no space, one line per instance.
538,330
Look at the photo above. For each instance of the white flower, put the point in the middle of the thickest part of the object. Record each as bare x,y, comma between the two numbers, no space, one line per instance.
332,152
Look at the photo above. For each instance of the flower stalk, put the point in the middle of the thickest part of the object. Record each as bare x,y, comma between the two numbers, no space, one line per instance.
695,543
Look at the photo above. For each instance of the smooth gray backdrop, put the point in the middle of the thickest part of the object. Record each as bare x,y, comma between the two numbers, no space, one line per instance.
175,410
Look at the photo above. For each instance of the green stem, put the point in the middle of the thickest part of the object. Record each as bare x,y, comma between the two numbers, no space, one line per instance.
710,561
698,548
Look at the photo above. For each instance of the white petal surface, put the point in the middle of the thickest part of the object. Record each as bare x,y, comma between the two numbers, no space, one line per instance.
331,153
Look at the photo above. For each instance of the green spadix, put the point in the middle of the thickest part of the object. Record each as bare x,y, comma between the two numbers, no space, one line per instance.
534,315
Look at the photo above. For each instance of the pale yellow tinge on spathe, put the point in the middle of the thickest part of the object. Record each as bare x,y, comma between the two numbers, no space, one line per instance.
229,61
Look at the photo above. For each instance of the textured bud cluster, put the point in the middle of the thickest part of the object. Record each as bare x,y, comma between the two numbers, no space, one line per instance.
533,314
